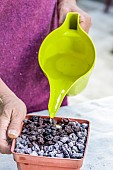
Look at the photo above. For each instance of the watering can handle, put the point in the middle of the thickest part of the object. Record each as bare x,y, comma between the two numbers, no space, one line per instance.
71,21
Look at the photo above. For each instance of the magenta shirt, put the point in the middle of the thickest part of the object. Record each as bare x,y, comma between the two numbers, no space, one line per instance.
23,26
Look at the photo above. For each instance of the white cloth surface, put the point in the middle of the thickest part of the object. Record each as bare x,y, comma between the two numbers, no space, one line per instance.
99,154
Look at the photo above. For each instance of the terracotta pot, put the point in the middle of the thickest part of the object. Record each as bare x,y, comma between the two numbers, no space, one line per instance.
28,162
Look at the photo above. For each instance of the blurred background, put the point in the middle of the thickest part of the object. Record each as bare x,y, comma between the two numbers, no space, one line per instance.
100,84
101,81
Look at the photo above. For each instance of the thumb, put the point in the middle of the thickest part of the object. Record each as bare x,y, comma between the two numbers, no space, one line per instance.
62,15
62,18
4,147
14,128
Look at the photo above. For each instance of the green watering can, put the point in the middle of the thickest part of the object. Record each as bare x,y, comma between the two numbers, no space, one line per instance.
67,57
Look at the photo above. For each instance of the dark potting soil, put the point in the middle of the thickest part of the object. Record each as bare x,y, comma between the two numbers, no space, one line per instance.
40,137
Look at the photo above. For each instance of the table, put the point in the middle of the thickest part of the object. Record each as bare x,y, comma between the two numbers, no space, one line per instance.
99,154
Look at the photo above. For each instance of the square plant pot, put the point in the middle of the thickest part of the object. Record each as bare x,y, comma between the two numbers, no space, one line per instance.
30,162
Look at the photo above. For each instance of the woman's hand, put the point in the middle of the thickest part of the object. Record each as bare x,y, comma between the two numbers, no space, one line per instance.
12,113
65,6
